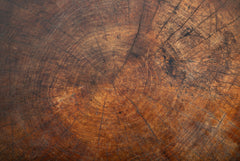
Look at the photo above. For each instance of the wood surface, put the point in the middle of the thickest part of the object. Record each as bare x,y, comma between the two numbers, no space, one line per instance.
120,80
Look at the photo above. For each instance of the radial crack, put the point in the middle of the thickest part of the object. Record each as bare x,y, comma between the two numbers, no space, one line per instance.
138,112
139,27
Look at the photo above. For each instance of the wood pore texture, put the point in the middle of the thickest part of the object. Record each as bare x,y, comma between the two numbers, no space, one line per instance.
119,80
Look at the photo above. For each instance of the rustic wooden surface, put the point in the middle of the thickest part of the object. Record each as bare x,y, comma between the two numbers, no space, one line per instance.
120,80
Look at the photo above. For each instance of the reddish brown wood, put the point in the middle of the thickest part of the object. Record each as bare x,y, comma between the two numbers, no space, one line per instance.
120,80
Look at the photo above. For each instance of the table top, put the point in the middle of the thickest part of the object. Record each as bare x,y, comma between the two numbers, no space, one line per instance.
120,80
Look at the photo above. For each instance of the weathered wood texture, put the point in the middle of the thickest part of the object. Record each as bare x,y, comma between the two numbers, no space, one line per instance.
120,80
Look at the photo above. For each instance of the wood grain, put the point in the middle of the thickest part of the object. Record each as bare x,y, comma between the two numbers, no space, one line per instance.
120,80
